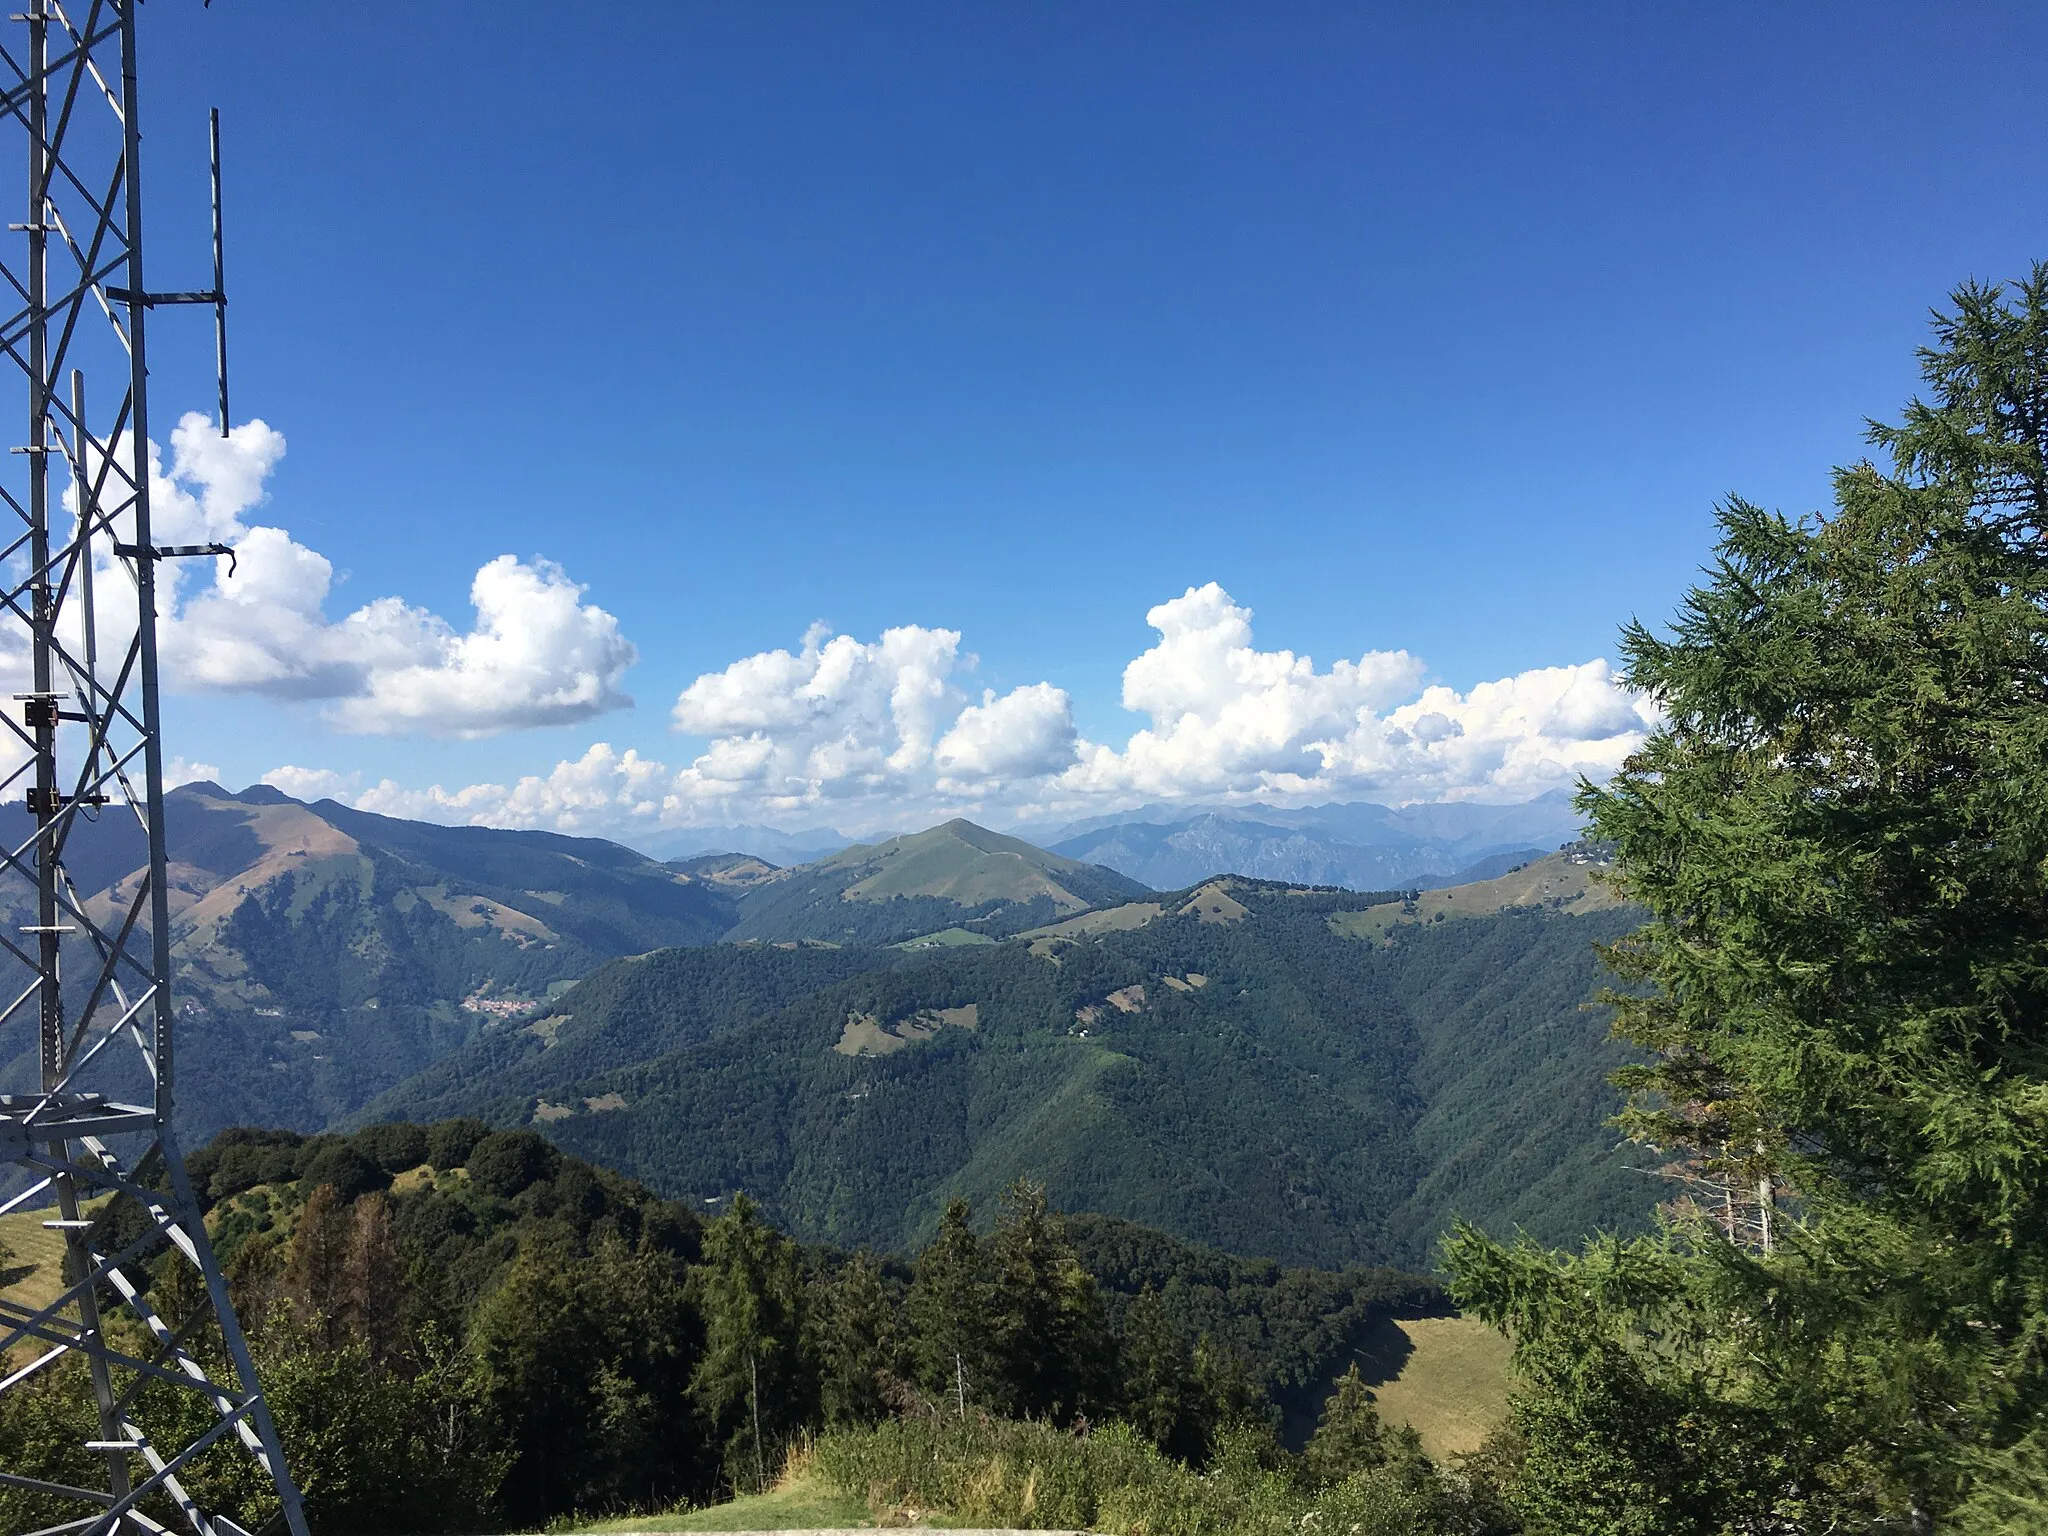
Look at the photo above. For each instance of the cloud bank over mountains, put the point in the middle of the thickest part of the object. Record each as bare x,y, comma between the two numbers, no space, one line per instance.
884,734
860,734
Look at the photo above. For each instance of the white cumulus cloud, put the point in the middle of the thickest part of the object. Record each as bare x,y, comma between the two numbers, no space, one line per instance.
1230,721
537,654
838,719
179,771
882,734
603,791
1026,734
1227,717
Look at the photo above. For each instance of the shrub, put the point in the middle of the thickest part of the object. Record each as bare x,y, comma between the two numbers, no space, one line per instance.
341,1165
450,1142
43,1423
241,1158
506,1162
396,1147
1029,1475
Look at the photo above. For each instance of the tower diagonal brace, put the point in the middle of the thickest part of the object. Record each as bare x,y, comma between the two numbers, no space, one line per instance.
160,1402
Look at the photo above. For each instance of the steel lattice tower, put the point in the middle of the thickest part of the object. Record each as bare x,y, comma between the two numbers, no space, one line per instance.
82,743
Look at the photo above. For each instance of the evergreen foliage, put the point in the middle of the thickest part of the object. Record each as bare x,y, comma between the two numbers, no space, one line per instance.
1840,835
502,1342
754,1382
1051,1336
1350,1437
863,1351
1318,1099
950,1312
1162,1390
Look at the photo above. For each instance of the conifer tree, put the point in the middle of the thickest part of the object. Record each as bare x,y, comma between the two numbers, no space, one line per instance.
256,1283
949,1314
371,1296
753,1383
1230,1394
1840,832
535,1340
317,1275
862,1352
1161,1396
1050,1333
1351,1437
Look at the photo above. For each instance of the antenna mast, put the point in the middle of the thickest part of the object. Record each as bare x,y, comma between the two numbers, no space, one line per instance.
89,1141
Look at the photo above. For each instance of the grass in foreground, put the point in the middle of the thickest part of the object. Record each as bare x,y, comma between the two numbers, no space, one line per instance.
1006,1475
803,1502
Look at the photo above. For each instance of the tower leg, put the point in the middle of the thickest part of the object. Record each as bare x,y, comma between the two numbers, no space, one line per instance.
92,1150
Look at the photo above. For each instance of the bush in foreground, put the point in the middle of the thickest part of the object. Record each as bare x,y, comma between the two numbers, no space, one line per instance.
1032,1475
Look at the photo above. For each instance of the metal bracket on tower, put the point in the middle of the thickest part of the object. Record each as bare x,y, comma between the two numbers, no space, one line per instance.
166,551
92,1144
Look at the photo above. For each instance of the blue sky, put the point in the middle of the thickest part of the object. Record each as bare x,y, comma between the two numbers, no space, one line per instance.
1436,330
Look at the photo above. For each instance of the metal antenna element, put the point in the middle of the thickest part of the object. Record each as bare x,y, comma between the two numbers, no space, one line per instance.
163,1369
220,275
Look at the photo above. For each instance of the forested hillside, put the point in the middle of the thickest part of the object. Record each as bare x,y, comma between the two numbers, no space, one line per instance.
1236,1069
1304,1101
324,954
461,1328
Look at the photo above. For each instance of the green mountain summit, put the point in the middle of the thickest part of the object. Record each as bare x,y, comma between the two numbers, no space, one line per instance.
953,875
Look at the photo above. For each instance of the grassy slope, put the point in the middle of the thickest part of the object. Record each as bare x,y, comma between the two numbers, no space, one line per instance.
1452,1384
946,938
30,1278
916,885
1132,914
952,862
1554,883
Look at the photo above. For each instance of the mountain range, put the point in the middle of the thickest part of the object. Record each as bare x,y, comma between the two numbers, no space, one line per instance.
1277,1067
955,875
322,954
1317,1076
1361,846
